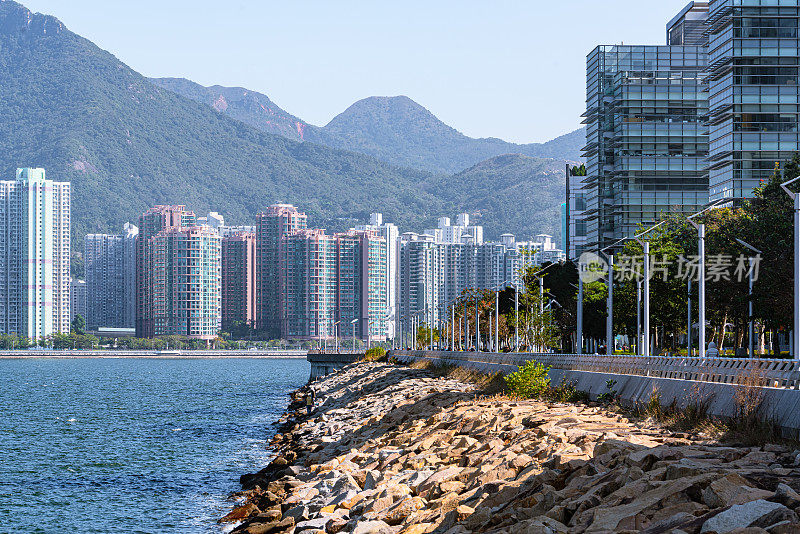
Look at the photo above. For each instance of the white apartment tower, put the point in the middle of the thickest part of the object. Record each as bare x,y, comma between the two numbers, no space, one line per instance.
34,255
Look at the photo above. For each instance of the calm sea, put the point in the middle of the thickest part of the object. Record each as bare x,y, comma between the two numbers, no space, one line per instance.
133,445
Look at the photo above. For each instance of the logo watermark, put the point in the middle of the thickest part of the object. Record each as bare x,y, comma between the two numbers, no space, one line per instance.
719,267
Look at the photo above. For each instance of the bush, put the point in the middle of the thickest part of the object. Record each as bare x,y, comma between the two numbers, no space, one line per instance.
375,354
567,392
530,381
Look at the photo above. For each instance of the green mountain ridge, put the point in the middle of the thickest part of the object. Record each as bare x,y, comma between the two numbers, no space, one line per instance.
508,187
393,129
126,144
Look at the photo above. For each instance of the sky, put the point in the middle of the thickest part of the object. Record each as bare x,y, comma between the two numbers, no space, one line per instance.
492,68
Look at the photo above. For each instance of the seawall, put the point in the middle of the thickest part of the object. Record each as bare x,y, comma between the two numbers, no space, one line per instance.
781,405
390,449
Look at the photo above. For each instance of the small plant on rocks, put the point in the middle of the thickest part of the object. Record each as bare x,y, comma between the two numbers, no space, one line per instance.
567,392
375,354
610,395
530,381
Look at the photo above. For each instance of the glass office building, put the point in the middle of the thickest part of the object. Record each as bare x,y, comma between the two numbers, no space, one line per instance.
708,116
753,55
647,140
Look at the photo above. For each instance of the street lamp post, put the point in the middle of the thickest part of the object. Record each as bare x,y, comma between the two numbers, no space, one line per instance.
639,317
336,334
477,324
646,272
750,349
701,283
579,337
689,317
646,283
353,322
796,299
610,318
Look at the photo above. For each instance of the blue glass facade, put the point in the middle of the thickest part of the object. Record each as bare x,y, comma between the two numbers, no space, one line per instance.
753,86
708,116
647,139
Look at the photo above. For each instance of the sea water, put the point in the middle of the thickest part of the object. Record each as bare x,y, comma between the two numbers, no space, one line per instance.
133,445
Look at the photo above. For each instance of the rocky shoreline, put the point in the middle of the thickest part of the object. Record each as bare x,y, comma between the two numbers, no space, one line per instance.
396,450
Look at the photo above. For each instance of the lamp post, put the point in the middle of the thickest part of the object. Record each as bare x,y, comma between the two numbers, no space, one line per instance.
750,349
579,336
610,304
610,299
353,322
336,334
646,283
639,317
796,299
540,276
701,283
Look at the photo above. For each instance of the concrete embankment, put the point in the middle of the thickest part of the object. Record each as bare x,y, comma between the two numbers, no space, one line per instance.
779,405
393,450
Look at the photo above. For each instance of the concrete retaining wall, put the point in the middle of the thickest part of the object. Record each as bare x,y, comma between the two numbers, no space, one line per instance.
781,405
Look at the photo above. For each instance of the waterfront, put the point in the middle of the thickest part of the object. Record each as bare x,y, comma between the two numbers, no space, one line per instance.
133,445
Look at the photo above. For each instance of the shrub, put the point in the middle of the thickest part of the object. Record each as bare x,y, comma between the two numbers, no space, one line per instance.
530,381
610,395
375,354
567,392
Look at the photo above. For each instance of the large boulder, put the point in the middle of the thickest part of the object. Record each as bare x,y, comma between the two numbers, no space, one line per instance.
758,513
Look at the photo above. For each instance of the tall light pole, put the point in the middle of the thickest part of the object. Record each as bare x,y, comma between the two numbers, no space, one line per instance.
477,324
646,310
610,299
579,337
750,273
610,304
497,320
353,322
689,316
540,276
516,317
701,283
646,283
796,331
638,317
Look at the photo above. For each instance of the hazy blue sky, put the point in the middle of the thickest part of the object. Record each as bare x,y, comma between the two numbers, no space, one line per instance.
492,68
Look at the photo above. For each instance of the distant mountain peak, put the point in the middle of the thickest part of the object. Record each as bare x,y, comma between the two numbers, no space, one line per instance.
395,112
16,19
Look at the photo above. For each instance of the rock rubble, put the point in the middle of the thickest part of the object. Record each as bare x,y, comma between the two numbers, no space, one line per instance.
394,450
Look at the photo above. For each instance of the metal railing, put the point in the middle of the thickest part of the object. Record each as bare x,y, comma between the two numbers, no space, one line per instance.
177,353
772,373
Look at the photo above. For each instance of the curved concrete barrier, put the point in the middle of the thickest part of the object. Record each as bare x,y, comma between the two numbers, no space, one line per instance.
686,381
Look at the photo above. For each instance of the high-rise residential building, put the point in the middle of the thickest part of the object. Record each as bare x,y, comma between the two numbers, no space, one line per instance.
273,224
391,235
34,255
213,220
446,232
238,279
754,92
421,266
307,291
111,279
77,298
178,275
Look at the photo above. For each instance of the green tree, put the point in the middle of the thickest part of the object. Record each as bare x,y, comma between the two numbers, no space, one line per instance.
78,324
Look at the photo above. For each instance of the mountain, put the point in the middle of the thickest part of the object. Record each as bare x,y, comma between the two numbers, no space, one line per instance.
125,144
241,104
521,194
393,129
